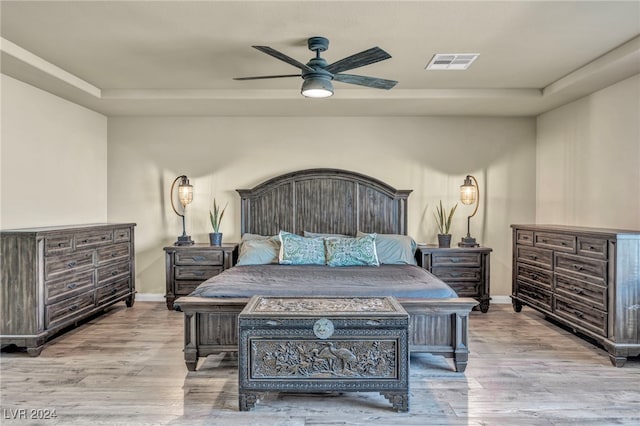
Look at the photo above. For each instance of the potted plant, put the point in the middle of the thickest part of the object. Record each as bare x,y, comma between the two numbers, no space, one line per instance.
216,215
443,220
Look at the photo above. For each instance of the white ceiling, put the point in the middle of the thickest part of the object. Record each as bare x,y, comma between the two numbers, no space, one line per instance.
179,58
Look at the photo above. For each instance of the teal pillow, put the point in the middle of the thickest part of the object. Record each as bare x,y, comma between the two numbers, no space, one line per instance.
297,250
395,249
359,251
262,251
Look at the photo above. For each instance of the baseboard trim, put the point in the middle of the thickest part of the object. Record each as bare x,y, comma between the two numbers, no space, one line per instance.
501,300
149,297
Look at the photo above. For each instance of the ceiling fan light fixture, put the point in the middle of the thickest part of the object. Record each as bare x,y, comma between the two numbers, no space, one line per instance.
317,86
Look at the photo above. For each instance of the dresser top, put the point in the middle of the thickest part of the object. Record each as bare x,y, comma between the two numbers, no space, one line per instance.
578,229
85,226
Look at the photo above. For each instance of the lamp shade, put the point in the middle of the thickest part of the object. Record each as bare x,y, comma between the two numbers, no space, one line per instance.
185,192
468,192
317,86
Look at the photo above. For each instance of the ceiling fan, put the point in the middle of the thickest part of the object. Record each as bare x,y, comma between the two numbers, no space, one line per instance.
318,74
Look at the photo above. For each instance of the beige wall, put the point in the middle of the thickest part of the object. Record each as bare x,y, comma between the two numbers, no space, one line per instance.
429,155
588,160
53,160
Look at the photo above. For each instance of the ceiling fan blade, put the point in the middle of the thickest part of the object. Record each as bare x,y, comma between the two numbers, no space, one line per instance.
366,57
262,77
283,57
362,80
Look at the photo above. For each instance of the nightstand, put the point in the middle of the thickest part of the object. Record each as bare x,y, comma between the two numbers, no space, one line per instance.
189,266
465,269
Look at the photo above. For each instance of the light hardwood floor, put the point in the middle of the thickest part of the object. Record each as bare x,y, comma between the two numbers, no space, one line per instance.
126,367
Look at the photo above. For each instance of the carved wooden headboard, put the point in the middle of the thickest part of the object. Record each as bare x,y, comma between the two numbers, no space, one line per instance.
323,200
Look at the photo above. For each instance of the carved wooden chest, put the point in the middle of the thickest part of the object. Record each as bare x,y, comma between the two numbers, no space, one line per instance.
318,344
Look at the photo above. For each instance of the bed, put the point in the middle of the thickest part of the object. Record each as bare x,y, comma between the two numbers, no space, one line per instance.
325,203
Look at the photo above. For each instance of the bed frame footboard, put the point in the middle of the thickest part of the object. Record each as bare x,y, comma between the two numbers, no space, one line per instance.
436,326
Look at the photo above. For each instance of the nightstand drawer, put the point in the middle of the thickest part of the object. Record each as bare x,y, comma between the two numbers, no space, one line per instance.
457,274
465,288
196,273
184,288
456,259
199,257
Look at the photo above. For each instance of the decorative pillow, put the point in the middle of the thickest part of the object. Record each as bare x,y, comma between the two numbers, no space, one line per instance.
395,249
322,235
297,250
261,251
360,251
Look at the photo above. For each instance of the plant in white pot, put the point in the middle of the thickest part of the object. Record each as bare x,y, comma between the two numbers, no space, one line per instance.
443,220
216,215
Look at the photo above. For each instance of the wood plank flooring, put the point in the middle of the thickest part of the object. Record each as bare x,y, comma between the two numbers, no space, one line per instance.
126,367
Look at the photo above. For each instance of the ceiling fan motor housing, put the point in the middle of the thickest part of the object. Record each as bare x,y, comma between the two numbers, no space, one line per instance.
319,44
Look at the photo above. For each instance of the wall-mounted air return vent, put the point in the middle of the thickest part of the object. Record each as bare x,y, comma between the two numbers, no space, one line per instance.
452,61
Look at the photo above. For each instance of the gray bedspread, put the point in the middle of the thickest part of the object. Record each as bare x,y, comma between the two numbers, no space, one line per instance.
400,281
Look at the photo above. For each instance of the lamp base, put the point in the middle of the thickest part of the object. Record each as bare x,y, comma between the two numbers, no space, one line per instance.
468,242
184,240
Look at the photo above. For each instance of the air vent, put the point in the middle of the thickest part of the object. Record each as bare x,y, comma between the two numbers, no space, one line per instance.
452,61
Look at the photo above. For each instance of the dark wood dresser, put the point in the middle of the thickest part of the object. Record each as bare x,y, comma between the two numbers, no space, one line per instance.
56,276
188,266
587,279
465,269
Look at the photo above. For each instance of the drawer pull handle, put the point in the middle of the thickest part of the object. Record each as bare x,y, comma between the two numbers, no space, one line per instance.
578,314
534,276
578,290
578,267
114,254
199,273
72,264
455,260
73,308
114,291
198,258
455,274
373,322
72,286
544,241
273,322
563,243
60,244
84,241
114,273
104,237
534,257
592,248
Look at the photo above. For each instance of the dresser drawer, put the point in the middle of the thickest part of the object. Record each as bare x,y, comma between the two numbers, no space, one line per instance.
593,247
112,291
456,274
69,309
113,253
69,285
93,238
455,259
589,293
67,262
534,295
559,242
524,237
112,272
592,319
540,257
537,276
57,244
196,273
122,234
581,265
199,257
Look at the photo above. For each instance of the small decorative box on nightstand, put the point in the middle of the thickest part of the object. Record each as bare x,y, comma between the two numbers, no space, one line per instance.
464,269
189,266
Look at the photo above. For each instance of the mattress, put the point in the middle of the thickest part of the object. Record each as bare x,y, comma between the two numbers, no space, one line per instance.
400,281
